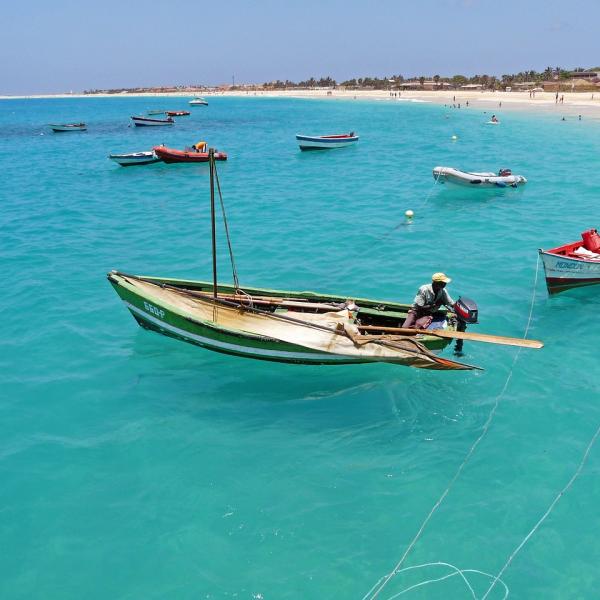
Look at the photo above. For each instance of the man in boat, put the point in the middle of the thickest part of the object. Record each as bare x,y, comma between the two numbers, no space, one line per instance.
200,147
428,300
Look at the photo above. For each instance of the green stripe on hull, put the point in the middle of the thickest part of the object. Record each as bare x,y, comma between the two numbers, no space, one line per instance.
227,342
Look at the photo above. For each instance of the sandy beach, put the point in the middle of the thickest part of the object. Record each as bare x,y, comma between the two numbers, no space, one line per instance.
573,104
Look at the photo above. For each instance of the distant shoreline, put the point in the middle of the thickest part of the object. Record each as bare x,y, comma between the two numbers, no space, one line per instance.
575,103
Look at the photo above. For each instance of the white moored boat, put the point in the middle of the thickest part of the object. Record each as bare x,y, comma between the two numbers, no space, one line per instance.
576,264
198,102
135,158
326,142
504,178
146,122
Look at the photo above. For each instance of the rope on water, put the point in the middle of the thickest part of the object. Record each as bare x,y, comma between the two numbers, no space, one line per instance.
436,178
546,514
378,588
455,571
400,223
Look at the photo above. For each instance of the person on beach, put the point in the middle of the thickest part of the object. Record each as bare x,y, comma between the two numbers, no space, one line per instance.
429,299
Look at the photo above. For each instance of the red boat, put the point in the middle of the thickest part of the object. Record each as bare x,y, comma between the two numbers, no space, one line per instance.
189,155
177,113
573,265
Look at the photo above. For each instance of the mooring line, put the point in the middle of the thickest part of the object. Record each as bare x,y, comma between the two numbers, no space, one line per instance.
456,571
399,224
546,514
378,588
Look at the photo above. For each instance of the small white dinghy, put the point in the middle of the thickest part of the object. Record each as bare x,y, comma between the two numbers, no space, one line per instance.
504,178
135,158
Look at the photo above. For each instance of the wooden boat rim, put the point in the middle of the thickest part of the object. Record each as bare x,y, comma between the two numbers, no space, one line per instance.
278,293
124,277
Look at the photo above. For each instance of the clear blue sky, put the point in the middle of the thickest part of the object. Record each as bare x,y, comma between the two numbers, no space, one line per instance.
61,45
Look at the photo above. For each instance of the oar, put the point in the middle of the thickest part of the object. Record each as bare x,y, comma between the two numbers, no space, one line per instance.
459,335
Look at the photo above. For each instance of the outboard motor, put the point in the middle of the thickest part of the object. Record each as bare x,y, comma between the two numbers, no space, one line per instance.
466,312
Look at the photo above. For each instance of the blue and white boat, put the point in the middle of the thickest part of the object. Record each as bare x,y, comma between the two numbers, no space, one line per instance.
326,142
135,158
147,122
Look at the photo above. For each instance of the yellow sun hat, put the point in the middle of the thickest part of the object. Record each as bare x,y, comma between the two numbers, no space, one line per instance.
441,277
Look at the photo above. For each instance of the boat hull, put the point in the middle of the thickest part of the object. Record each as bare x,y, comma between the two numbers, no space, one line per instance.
144,122
153,313
136,158
565,272
198,103
65,128
307,142
170,155
477,180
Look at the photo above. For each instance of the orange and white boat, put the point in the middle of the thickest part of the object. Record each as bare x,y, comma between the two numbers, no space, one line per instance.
196,154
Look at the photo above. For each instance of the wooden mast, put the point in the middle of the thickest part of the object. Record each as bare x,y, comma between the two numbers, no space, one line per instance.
211,162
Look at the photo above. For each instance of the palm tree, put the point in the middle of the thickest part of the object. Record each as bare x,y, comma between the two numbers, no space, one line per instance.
422,81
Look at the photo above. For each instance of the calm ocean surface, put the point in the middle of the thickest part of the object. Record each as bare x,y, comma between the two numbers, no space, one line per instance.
138,467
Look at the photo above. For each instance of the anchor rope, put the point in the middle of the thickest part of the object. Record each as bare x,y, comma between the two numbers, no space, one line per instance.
550,508
378,588
436,178
456,571
400,223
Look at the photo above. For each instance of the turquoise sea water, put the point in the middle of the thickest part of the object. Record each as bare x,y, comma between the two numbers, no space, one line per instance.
135,466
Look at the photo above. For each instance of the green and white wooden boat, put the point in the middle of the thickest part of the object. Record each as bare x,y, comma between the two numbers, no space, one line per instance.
284,326
291,327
